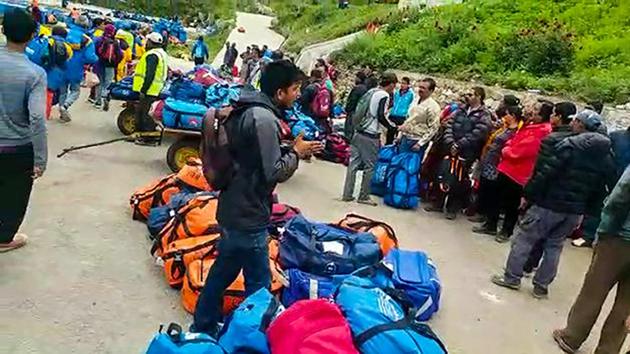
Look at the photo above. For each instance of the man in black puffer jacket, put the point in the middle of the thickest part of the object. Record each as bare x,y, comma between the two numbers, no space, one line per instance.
573,182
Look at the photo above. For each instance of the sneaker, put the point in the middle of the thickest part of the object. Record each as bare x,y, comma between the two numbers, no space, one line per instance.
91,100
582,243
98,105
432,209
64,115
557,336
528,274
502,238
106,105
485,230
500,281
19,240
367,201
346,200
450,215
540,293
477,219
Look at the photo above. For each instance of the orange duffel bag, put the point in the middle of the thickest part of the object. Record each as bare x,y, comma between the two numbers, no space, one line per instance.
179,254
385,234
198,217
156,194
192,175
195,279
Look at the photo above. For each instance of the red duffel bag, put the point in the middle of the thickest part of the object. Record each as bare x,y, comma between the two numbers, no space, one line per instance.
311,327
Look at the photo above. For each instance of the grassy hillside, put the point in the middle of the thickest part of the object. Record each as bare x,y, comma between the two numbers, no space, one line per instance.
304,23
577,47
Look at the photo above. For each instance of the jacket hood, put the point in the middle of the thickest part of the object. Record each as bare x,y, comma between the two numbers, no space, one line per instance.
251,97
589,141
110,31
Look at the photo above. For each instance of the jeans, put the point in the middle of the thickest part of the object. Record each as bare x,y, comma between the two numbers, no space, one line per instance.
16,183
610,266
238,250
539,224
102,90
144,123
363,155
69,94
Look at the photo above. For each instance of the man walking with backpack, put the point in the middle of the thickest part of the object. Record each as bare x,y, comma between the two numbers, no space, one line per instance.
200,51
23,143
109,56
316,100
148,80
366,121
244,208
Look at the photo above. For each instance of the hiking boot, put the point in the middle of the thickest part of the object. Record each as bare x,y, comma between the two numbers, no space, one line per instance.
500,281
502,238
540,293
19,240
367,201
450,215
557,336
477,219
433,209
105,105
485,230
64,115
582,243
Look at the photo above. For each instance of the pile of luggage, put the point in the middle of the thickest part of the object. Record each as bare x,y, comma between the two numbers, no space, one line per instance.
397,176
342,287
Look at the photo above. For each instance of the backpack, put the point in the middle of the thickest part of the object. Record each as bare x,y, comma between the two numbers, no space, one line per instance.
451,171
336,149
108,52
183,115
196,218
311,326
197,272
324,249
180,253
245,330
199,52
60,53
385,234
403,186
381,169
159,216
360,118
175,341
321,102
302,286
415,274
307,126
379,323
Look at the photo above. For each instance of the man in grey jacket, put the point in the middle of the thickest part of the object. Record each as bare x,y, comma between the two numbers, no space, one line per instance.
23,151
244,208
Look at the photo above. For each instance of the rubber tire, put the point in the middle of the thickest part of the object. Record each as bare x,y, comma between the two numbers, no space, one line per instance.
180,151
127,120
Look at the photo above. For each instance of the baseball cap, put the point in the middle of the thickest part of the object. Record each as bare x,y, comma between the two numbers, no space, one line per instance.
591,120
155,38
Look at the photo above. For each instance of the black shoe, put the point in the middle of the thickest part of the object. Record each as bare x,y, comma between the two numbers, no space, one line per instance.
432,209
500,281
450,215
105,105
477,219
502,238
485,230
147,142
539,292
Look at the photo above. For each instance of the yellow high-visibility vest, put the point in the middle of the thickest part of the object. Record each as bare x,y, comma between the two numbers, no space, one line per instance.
161,72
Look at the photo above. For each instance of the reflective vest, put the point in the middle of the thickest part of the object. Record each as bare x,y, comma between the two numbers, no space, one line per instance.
160,73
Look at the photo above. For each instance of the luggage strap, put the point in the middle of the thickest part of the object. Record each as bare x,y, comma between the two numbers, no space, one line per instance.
406,323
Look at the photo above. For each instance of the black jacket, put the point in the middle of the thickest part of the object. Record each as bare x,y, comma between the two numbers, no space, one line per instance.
254,139
469,130
575,175
354,97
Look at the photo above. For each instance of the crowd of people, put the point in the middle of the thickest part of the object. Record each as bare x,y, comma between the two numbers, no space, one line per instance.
530,172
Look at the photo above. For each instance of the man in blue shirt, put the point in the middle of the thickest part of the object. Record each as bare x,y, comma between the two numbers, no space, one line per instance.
200,51
403,98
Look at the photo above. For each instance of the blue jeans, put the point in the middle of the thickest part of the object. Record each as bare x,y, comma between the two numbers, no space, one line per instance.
238,250
69,94
102,90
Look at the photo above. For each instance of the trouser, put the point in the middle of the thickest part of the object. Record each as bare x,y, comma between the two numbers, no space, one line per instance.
539,224
106,78
144,123
199,61
589,227
535,255
610,266
363,155
69,94
391,132
457,196
16,182
238,250
488,197
510,193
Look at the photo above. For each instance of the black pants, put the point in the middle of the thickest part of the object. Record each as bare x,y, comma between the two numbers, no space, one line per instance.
458,196
16,182
391,132
144,123
199,61
510,194
488,197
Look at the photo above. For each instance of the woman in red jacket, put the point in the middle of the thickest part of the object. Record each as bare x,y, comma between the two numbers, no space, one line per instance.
517,164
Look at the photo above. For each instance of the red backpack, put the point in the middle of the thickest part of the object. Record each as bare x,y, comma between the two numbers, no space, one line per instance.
108,51
311,327
321,103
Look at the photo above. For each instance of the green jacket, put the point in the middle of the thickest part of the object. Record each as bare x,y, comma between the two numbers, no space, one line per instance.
616,213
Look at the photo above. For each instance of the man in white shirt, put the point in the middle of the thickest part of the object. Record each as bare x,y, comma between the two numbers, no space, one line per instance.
424,117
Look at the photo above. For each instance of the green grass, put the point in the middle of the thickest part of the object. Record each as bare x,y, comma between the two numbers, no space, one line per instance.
576,47
303,23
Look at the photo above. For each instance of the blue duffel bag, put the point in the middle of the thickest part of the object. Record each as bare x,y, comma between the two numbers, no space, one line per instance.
221,95
379,178
324,249
187,90
183,115
403,184
307,126
175,341
380,323
245,330
303,286
123,90
415,274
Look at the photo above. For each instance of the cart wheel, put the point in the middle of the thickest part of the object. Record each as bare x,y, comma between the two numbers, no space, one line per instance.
127,120
180,152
